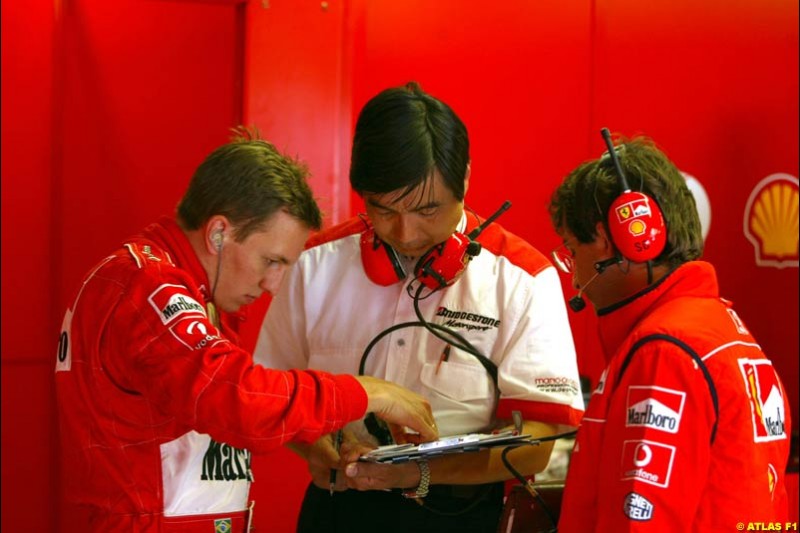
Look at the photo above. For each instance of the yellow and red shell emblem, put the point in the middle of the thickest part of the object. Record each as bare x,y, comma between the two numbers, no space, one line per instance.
771,221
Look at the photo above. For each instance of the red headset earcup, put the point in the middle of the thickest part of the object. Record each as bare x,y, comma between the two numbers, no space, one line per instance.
637,227
379,260
443,264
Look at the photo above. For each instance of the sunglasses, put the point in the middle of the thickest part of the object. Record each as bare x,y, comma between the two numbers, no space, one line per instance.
562,257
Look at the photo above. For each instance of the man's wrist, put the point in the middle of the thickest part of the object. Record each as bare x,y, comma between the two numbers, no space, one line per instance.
424,481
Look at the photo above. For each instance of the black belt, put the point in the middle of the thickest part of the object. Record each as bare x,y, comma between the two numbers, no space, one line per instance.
455,500
466,492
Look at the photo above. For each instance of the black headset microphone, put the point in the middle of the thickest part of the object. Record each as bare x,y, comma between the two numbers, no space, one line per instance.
577,303
443,264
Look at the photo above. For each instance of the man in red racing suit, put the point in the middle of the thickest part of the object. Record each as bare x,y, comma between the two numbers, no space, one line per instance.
687,429
658,455
159,408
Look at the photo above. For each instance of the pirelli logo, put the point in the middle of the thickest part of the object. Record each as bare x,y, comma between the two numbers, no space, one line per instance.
173,301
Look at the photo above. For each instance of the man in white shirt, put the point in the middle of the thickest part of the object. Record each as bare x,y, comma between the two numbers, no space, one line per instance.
512,349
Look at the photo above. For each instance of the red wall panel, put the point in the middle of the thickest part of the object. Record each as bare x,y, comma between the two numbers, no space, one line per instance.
297,89
149,89
107,109
27,125
28,321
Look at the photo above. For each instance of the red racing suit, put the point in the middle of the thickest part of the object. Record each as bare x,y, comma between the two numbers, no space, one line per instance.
159,408
653,453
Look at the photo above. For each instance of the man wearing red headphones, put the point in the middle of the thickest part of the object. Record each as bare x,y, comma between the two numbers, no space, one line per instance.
688,427
368,287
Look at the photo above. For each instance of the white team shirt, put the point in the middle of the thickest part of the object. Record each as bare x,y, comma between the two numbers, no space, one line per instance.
508,304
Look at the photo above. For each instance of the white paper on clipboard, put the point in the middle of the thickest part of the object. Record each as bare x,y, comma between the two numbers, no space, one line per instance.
471,442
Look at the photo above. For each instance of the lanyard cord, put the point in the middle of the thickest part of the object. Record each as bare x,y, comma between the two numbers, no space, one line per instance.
211,306
440,332
462,344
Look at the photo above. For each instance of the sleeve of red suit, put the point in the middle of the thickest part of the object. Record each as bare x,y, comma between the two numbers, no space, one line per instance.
160,344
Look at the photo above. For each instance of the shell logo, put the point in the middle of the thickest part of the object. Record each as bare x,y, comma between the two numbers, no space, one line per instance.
771,221
637,227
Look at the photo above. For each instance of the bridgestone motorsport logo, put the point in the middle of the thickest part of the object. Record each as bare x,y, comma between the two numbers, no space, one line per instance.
465,320
655,407
172,301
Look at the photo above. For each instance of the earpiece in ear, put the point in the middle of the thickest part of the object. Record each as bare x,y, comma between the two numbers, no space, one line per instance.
216,238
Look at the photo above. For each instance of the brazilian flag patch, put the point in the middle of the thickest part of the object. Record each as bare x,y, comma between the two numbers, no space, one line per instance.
223,525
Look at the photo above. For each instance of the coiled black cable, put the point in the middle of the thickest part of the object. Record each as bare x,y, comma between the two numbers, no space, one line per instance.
527,483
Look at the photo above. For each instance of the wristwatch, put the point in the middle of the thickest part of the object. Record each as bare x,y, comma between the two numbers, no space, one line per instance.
424,481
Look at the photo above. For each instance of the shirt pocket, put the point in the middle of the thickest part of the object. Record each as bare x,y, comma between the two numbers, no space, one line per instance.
457,381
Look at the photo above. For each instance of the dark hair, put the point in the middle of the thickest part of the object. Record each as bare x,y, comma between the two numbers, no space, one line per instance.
248,180
586,194
402,136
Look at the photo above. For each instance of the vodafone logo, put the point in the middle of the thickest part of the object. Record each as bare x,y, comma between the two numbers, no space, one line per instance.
197,327
642,455
647,461
195,334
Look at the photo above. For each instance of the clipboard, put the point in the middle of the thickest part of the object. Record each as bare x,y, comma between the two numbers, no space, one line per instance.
469,442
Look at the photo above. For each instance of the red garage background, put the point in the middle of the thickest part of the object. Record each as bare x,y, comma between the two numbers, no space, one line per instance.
107,108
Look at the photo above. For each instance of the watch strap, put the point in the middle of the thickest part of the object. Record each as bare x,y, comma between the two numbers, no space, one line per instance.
424,481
